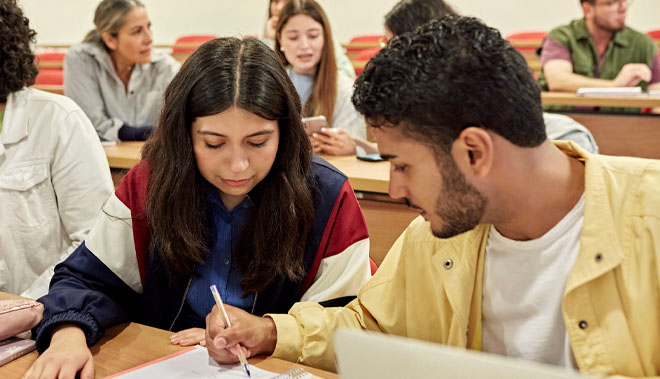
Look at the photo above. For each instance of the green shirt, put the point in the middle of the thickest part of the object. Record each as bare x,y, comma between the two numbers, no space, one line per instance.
627,46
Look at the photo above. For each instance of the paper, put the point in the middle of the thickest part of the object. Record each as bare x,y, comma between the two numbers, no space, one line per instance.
611,92
192,363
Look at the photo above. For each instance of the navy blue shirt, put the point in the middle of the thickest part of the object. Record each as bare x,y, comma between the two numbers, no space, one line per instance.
221,267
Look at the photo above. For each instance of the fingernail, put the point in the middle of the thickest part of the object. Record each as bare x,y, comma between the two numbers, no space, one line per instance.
324,129
314,134
220,342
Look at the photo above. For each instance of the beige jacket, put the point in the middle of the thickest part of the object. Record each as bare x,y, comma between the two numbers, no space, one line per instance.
611,303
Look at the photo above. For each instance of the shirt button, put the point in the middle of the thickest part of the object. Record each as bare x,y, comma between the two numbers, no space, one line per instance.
449,264
583,324
599,257
226,261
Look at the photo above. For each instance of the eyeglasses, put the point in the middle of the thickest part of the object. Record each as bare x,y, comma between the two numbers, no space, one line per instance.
615,3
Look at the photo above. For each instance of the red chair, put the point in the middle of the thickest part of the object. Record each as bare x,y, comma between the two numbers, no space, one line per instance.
186,45
654,34
50,68
527,42
373,266
362,58
364,42
49,77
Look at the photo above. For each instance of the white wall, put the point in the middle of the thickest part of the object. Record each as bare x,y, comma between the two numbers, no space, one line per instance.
67,21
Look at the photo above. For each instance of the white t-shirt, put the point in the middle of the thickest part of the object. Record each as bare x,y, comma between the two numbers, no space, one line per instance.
523,288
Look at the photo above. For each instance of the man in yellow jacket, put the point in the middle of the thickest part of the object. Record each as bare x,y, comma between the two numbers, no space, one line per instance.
525,248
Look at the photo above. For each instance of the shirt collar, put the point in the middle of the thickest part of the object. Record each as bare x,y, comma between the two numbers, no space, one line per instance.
212,196
581,33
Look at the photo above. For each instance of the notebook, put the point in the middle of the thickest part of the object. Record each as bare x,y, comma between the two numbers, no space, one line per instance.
13,348
611,92
366,355
195,363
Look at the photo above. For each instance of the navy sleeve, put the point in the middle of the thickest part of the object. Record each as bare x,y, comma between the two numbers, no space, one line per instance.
86,293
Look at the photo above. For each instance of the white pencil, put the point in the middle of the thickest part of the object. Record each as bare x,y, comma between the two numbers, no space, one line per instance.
221,306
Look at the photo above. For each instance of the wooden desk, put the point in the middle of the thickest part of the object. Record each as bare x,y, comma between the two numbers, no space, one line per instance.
128,345
634,135
571,99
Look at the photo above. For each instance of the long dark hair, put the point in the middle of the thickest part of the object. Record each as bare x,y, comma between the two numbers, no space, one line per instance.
324,94
224,73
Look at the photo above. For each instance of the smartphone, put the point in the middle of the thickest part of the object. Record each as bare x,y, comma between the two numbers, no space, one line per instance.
371,158
314,124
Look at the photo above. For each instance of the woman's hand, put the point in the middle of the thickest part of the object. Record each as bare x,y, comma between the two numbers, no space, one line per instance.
67,355
333,141
189,337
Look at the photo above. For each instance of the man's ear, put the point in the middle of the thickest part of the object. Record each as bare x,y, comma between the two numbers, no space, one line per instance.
109,40
587,9
473,152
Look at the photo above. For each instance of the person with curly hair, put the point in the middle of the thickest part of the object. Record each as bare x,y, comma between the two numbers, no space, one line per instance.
410,14
54,176
525,247
115,76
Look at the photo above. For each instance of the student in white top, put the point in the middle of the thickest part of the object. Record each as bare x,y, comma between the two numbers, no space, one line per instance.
304,44
54,176
115,76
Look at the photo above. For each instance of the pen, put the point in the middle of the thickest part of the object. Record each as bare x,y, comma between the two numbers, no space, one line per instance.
221,306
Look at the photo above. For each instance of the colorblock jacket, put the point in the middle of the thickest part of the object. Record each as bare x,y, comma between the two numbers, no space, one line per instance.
114,277
611,303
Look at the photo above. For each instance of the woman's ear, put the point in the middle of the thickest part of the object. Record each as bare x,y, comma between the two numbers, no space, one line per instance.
473,152
109,40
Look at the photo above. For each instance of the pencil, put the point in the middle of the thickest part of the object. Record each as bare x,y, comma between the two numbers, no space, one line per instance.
221,306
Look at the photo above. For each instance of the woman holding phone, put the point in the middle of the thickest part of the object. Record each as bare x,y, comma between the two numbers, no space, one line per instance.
305,46
228,193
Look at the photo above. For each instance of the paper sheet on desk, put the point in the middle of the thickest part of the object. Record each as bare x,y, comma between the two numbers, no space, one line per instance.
193,363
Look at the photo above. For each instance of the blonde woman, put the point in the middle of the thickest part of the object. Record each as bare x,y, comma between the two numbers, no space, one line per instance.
115,76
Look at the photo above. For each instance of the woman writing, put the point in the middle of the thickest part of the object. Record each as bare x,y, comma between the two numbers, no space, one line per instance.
228,193
114,75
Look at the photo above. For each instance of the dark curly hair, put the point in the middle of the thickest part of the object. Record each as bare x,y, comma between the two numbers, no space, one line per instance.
447,75
16,57
406,15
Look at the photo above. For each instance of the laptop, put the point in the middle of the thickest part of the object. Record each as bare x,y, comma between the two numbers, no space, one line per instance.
366,355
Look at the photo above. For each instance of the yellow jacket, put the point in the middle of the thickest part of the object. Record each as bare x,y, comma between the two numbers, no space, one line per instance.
430,289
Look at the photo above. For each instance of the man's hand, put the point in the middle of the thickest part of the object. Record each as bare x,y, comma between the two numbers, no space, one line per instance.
631,74
333,141
189,337
68,353
255,335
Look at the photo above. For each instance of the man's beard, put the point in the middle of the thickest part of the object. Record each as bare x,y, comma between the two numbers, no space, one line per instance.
460,206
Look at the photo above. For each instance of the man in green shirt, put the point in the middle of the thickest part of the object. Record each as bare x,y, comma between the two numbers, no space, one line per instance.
599,51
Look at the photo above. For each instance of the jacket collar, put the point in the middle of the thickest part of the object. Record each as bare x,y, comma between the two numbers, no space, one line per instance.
582,33
599,234
101,55
16,121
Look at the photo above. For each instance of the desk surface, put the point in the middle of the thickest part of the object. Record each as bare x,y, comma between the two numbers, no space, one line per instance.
571,99
363,176
128,345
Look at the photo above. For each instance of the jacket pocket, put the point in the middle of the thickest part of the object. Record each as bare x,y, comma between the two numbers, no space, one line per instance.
27,197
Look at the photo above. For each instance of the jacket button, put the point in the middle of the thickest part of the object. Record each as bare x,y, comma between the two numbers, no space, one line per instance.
583,324
449,264
599,257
